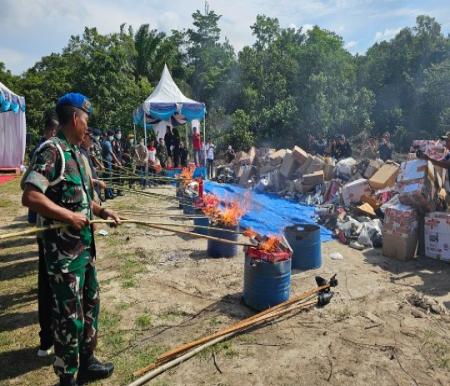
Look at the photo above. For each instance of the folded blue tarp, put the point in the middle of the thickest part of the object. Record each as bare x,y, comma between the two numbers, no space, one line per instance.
269,213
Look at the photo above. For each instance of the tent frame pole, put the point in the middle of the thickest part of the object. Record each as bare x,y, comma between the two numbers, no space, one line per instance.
204,147
145,129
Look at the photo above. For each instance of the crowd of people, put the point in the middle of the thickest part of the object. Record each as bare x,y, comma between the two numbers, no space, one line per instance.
339,148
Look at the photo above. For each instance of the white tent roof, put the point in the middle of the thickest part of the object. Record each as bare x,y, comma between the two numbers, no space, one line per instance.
4,88
166,92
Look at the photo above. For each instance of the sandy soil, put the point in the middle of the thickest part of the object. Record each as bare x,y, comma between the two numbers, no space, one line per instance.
159,290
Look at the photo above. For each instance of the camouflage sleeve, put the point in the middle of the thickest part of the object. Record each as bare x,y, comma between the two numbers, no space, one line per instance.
43,169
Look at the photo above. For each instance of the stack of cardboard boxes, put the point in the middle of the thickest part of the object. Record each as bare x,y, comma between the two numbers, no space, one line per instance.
416,185
400,231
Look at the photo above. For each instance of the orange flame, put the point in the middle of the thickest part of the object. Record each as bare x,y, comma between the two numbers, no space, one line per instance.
227,216
231,214
186,175
272,244
249,232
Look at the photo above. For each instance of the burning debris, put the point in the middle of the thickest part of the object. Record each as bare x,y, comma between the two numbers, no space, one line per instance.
271,248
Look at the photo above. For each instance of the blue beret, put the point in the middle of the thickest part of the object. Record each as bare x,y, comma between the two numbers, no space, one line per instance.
77,100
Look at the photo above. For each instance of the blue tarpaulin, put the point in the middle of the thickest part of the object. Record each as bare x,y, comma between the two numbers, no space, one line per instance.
268,213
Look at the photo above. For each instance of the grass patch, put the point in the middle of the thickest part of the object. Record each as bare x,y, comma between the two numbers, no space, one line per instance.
126,364
109,321
128,269
225,348
214,322
143,321
124,306
171,314
5,341
7,203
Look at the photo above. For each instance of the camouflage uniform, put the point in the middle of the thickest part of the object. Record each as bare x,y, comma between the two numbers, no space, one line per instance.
96,150
69,254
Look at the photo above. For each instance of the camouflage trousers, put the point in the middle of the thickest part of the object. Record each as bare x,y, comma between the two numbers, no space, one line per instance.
75,316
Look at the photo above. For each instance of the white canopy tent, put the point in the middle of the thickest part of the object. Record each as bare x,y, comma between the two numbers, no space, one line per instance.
12,128
165,101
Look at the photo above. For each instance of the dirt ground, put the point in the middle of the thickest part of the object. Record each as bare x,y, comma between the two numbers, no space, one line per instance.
159,290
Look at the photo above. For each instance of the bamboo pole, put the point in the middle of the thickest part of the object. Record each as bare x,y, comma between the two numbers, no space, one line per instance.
194,347
192,234
132,221
147,377
182,348
236,326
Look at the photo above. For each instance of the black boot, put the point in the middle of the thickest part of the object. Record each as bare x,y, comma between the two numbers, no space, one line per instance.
91,369
67,380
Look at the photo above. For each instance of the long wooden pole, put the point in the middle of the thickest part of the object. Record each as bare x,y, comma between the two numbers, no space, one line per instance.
35,230
201,344
287,303
147,377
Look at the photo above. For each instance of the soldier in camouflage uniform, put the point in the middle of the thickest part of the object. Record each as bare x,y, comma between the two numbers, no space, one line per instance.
57,188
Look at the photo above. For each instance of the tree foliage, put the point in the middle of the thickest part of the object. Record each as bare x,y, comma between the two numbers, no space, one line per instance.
288,84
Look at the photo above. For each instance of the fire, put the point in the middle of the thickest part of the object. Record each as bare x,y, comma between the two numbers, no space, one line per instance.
271,244
249,232
187,174
231,214
228,215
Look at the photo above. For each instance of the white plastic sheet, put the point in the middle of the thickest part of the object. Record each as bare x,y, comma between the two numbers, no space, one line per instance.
12,139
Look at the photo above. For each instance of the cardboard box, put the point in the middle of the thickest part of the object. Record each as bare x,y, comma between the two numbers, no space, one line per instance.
372,168
414,170
299,154
400,231
399,246
277,157
384,177
247,173
433,148
437,235
304,167
300,187
316,165
313,179
266,168
416,184
353,191
289,164
241,158
419,194
328,172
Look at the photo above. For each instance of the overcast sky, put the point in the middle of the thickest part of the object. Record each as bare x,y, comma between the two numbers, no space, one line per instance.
31,29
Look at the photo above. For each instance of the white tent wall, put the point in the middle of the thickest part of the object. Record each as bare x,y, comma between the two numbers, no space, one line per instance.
12,139
160,129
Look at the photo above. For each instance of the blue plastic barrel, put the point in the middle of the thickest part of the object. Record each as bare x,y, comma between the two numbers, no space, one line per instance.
188,205
305,242
266,284
202,221
179,194
218,249
32,216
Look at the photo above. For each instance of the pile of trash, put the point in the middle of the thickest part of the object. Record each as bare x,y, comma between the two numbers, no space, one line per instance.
366,203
